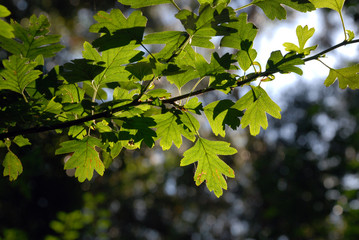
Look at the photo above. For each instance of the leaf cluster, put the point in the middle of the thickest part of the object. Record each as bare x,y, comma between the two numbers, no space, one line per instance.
110,99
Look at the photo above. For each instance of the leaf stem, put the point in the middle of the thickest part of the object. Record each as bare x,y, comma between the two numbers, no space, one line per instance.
194,87
174,4
243,7
342,20
325,64
23,94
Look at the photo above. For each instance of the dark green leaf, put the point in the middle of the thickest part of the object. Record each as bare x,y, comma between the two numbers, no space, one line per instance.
142,127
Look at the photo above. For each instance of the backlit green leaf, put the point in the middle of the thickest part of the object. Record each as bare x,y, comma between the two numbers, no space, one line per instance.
12,166
336,5
303,34
170,129
258,103
347,77
143,3
85,158
221,113
106,68
243,36
6,29
210,167
274,9
119,30
21,141
32,40
18,73
174,40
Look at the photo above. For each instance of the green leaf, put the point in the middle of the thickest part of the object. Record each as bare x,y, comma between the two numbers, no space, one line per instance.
77,131
84,157
347,77
193,105
4,12
336,5
258,103
274,9
173,40
303,35
119,30
214,2
284,64
142,129
156,93
246,58
242,39
209,23
243,36
350,35
195,66
70,93
210,167
21,141
221,113
17,74
170,129
143,3
6,29
33,40
12,166
102,69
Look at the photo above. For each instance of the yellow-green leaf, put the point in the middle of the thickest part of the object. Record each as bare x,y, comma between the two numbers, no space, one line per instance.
6,29
210,167
336,5
258,103
347,77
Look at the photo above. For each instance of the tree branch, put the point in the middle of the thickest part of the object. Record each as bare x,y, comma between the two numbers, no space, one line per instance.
109,113
316,56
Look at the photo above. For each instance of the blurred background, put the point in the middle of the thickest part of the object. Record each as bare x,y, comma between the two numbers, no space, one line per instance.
297,180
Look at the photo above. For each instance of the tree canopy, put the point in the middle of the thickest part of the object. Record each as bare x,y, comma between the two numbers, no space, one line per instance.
111,99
